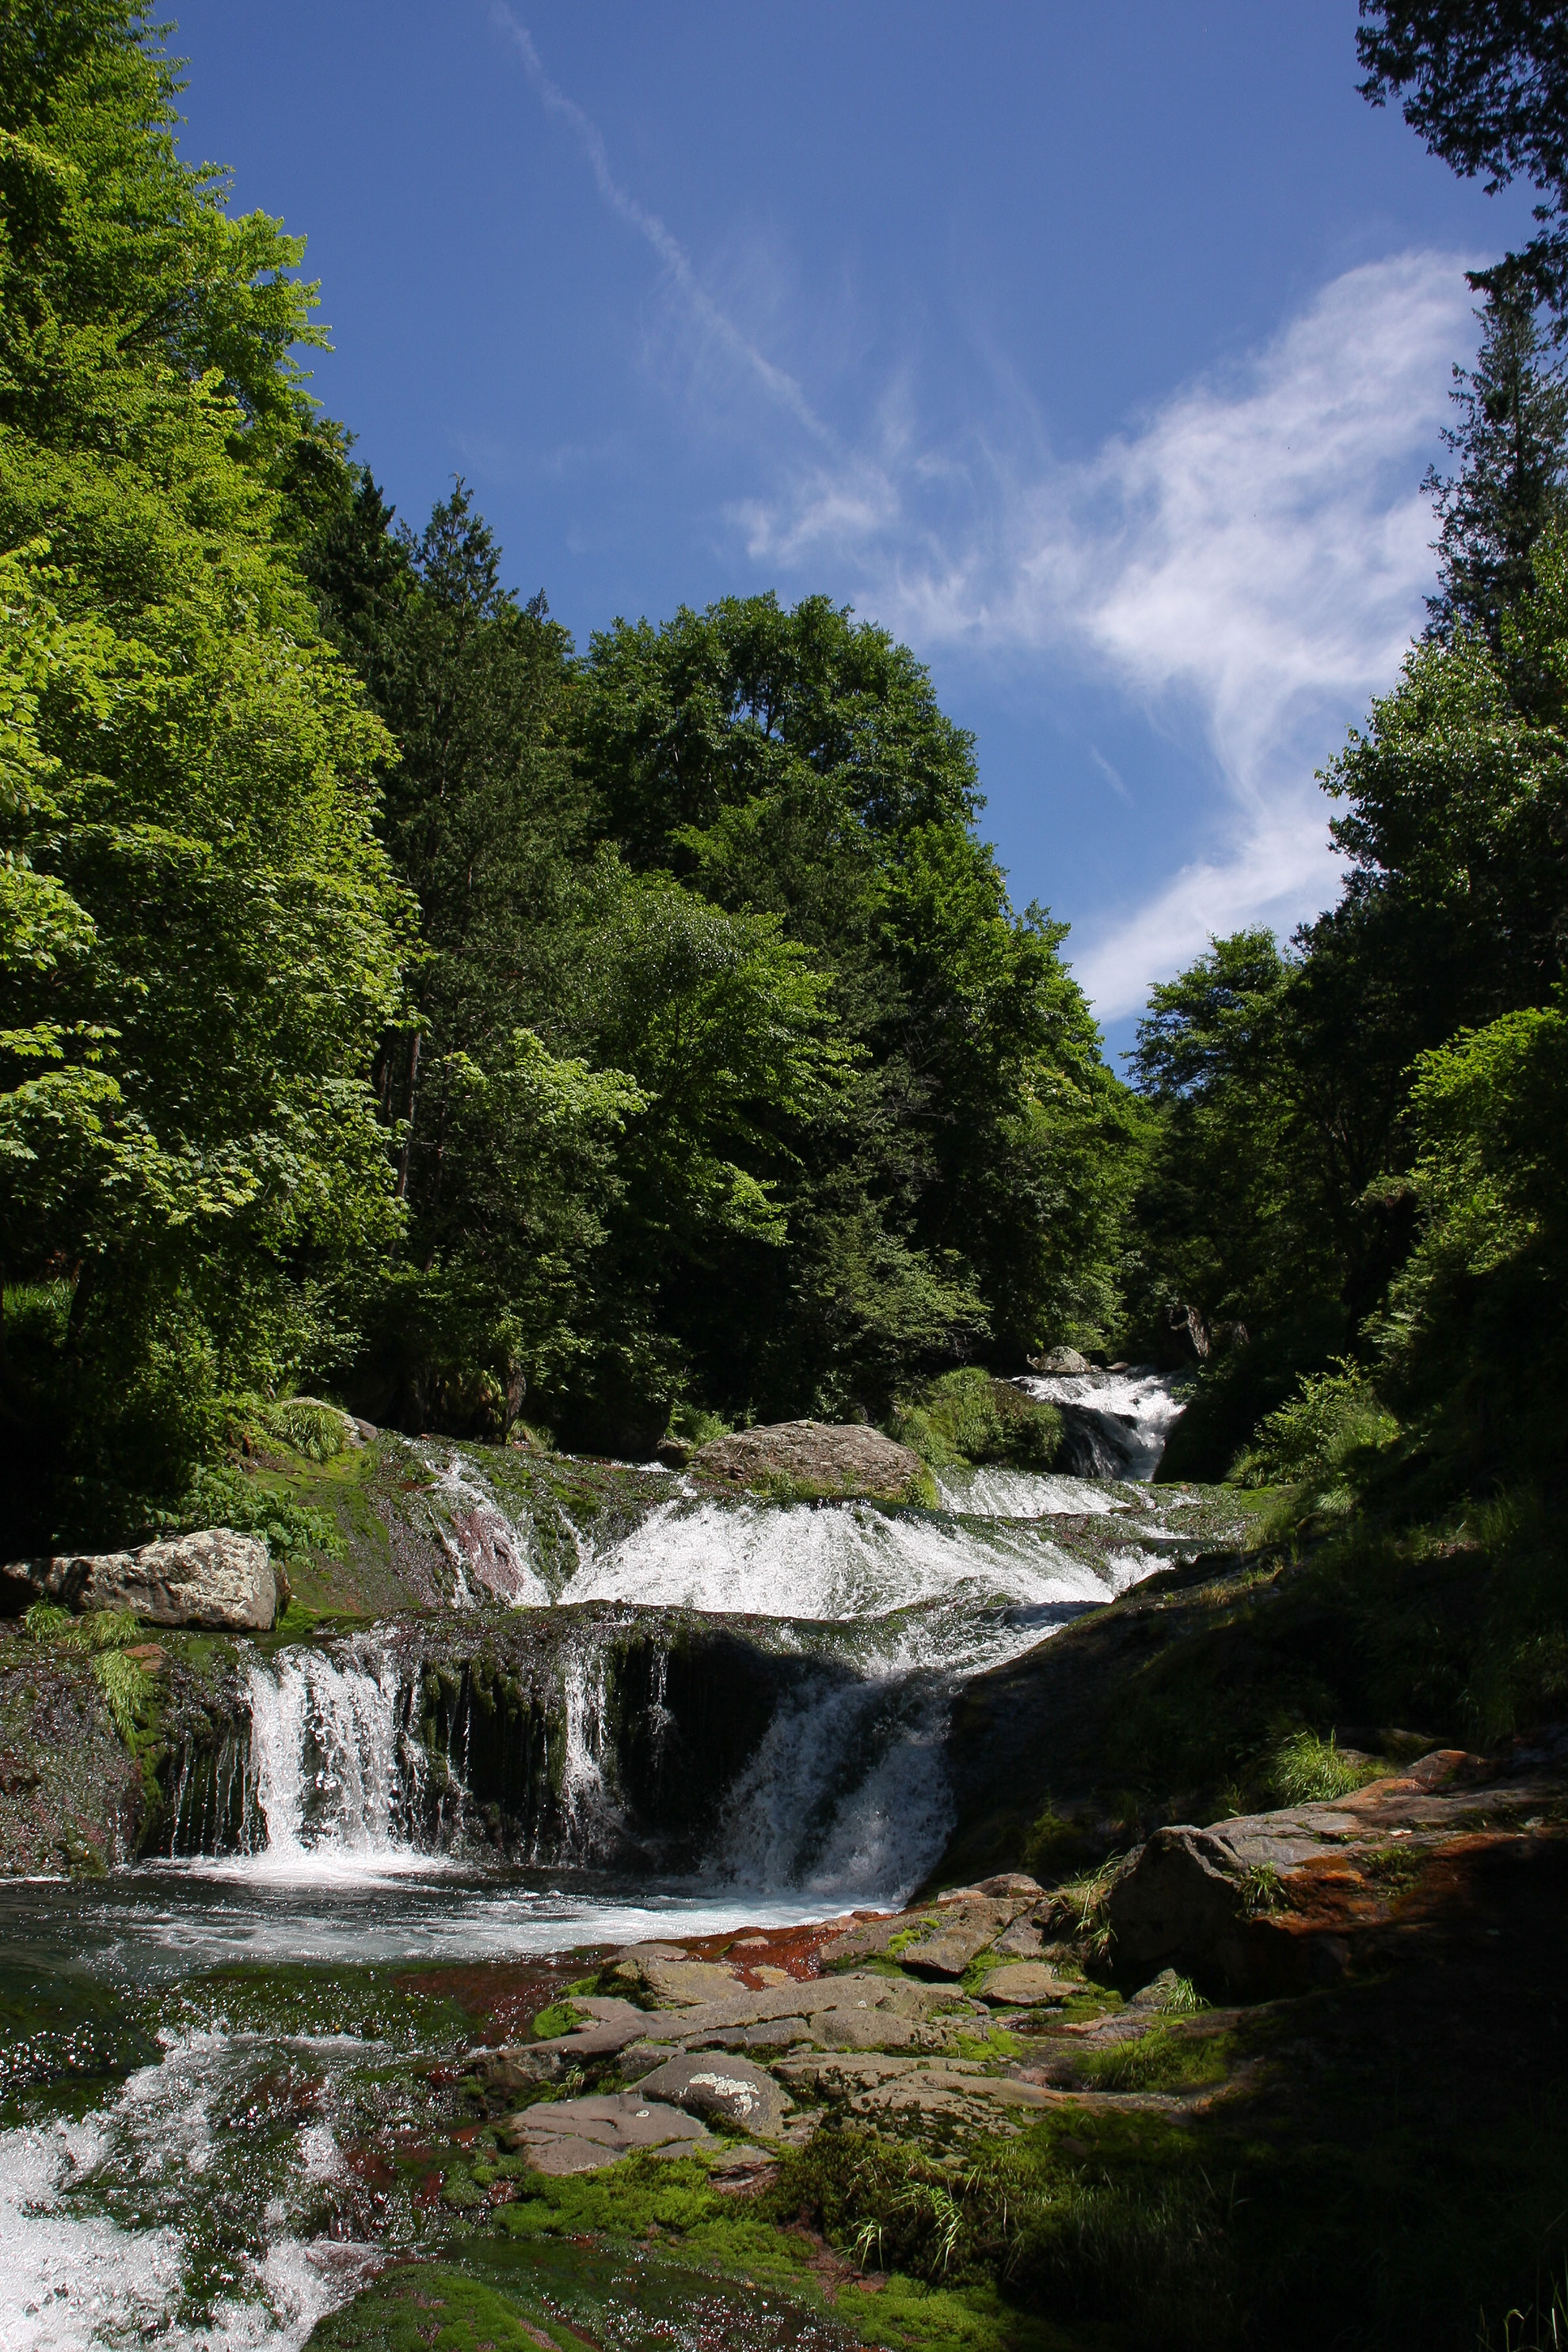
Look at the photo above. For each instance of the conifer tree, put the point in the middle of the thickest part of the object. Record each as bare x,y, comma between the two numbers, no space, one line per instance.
1511,481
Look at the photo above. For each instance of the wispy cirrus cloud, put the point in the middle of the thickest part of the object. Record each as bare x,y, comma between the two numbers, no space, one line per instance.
1246,562
707,314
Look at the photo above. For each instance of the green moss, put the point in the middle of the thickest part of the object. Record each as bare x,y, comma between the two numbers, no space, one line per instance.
429,2307
559,2018
994,2045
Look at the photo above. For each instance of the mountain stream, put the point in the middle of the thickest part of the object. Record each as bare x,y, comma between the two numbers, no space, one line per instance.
724,1714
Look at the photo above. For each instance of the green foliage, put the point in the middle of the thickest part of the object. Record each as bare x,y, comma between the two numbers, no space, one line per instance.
1262,1893
311,1428
967,1416
1141,2247
198,932
127,1688
45,1620
220,1495
1330,1421
1484,87
95,1631
1511,441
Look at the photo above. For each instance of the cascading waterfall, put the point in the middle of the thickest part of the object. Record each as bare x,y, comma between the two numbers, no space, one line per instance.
873,1618
584,1797
1118,1422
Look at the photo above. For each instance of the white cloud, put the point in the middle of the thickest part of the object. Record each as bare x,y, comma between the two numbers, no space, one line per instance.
704,313
1248,560
1255,553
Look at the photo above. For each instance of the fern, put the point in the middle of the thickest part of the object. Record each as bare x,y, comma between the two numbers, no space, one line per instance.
127,1687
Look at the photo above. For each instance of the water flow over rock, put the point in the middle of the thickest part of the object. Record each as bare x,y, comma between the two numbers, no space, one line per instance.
756,1690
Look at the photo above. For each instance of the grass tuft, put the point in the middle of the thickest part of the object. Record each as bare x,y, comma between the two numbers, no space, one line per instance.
1305,1770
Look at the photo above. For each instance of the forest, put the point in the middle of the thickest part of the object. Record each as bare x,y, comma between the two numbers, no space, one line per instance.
407,1006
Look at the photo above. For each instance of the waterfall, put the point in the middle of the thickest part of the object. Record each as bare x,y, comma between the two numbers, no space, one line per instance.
595,1733
846,1796
1117,1423
584,1798
329,1768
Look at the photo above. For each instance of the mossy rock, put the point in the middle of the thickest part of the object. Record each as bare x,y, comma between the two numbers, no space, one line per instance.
815,1461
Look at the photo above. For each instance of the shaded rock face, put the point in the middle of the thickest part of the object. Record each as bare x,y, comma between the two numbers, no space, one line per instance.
1182,1896
216,1579
1266,1904
815,1457
72,1796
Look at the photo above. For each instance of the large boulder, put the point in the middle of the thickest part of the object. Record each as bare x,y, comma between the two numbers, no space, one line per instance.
815,1458
1178,1904
216,1578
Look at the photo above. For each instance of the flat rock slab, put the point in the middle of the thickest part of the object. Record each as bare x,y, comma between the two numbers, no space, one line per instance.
1022,1941
873,2029
687,1983
729,2089
639,2058
965,1927
857,1989
869,1937
921,2094
840,2077
1022,1983
774,2034
561,2135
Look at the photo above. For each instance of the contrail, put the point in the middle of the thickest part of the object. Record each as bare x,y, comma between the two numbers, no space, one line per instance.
773,380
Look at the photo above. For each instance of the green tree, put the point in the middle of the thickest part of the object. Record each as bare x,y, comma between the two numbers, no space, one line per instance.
203,935
1485,83
964,1186
1511,442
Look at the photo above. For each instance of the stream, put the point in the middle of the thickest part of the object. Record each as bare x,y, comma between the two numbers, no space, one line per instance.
725,1716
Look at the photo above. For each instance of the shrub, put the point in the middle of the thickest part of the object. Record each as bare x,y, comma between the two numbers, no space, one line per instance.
315,1430
1309,1440
967,1417
221,1495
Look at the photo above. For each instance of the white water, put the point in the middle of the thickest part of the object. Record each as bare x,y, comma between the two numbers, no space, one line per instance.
823,1562
1130,1415
97,2246
332,1778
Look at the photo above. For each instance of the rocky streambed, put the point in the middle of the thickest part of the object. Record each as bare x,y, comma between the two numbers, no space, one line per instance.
987,2118
661,1914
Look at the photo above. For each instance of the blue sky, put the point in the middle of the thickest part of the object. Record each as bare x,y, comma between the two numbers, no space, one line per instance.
1098,351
